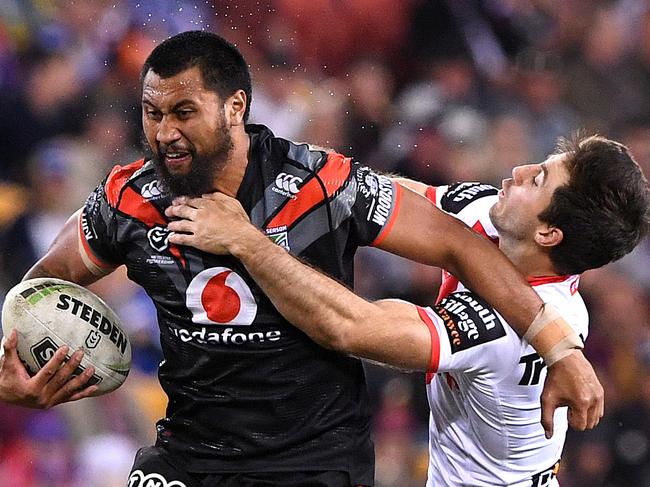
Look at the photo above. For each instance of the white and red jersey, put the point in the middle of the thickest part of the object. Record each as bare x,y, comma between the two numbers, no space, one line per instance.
485,381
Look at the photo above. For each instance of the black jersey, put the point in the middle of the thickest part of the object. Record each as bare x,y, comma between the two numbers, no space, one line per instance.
247,391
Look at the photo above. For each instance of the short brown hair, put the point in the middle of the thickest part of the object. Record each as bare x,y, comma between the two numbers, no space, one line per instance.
603,211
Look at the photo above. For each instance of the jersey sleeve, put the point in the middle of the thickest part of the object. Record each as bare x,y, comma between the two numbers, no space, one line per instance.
468,335
375,206
97,232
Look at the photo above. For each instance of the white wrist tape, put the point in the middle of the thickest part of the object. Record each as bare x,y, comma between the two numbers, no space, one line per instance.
551,336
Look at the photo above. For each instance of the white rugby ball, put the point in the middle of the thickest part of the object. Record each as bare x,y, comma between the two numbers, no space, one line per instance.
48,313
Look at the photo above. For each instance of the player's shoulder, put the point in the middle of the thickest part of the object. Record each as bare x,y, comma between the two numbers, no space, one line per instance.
319,159
454,198
563,292
120,176
470,202
280,150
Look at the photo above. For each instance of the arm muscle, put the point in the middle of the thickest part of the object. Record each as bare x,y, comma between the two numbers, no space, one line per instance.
63,260
428,235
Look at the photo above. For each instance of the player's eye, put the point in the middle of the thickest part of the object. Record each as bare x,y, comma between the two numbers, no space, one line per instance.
153,114
185,113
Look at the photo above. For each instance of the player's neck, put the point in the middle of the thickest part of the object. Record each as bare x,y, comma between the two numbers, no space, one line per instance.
229,179
528,258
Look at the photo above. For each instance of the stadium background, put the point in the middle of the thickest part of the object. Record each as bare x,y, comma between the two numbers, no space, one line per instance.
436,90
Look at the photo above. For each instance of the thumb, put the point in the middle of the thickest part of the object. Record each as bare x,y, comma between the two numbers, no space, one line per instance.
9,343
548,410
9,351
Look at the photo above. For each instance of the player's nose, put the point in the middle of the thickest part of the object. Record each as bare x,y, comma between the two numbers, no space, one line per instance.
167,132
519,173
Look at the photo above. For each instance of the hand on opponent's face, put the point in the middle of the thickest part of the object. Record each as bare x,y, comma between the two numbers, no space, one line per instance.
213,223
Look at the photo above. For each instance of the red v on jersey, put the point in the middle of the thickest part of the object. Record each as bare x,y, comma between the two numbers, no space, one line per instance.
131,203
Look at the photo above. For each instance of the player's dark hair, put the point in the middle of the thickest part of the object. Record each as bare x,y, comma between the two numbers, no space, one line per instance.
603,211
223,68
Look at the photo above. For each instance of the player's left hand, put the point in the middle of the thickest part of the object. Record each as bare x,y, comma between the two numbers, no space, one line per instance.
213,223
572,382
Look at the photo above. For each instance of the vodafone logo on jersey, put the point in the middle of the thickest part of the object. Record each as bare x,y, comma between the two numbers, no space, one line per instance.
219,296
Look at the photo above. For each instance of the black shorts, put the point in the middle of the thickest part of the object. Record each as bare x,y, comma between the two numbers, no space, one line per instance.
154,465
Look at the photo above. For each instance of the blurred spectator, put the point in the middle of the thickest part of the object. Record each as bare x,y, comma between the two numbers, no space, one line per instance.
541,86
369,111
60,176
111,467
47,104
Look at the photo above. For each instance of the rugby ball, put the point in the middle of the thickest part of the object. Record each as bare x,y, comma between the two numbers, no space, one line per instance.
48,313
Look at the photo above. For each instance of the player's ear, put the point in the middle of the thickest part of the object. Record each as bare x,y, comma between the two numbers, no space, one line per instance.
235,108
548,236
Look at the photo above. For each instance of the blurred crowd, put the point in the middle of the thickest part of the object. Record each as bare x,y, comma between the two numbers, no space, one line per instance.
436,90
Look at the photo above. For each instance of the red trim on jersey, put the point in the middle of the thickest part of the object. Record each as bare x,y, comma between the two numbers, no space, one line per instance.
333,174
538,281
384,232
435,341
173,249
89,252
449,281
430,194
134,205
117,178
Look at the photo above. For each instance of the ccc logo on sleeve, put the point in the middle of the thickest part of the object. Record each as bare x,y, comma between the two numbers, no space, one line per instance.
219,296
288,182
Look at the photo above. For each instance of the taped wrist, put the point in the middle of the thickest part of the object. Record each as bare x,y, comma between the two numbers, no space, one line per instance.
551,336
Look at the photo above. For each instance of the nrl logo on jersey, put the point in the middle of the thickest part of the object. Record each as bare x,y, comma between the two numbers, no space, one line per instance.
286,185
158,238
153,191
279,236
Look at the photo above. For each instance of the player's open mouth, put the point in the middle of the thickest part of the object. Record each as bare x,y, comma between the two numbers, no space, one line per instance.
177,160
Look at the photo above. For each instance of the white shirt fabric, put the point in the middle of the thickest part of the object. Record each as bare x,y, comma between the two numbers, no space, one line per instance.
486,381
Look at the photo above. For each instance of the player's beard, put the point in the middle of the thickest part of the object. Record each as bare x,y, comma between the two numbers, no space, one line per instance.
203,172
509,225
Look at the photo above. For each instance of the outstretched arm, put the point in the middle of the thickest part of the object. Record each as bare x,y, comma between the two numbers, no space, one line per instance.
388,331
570,381
425,234
331,314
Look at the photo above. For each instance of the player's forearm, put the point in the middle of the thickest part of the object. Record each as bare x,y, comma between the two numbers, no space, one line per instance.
309,300
50,267
487,271
38,270
332,315
426,234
